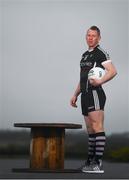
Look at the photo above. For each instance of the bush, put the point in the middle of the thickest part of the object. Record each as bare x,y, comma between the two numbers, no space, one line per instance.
12,149
121,154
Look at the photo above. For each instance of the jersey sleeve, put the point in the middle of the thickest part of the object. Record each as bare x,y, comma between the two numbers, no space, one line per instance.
104,57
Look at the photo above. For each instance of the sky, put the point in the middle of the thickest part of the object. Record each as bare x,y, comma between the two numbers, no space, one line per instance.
41,43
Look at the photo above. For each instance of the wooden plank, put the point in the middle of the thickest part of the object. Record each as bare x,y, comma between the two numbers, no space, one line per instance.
29,170
47,148
60,125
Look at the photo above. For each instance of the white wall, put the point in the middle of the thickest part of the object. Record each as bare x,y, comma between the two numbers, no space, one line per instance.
42,43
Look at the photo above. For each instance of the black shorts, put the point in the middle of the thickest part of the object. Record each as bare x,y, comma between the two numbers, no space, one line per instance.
92,100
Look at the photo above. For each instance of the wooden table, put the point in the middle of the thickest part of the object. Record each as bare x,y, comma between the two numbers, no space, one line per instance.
46,146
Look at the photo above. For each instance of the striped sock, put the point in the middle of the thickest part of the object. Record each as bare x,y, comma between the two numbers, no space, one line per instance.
100,144
91,147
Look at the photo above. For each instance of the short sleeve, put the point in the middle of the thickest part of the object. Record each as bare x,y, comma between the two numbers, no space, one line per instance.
103,57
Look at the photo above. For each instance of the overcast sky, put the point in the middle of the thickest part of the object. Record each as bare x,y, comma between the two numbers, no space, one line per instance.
41,43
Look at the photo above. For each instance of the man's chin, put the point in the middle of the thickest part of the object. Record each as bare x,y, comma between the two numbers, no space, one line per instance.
91,46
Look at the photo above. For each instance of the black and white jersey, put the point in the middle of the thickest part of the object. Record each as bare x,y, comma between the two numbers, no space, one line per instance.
89,58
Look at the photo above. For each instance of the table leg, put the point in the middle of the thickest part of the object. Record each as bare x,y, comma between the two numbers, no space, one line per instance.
47,148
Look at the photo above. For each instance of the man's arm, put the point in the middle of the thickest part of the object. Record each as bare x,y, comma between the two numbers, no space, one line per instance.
77,91
76,94
110,74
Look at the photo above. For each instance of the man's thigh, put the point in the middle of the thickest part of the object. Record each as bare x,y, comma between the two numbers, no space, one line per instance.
96,116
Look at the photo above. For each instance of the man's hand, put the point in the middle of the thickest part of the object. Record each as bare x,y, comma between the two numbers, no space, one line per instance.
73,101
95,82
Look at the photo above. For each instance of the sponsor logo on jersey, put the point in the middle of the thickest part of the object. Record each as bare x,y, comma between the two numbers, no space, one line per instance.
86,63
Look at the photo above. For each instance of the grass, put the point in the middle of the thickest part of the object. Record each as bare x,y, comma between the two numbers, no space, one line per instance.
120,154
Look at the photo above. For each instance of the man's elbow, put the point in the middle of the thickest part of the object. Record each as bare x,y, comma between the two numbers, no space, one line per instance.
114,73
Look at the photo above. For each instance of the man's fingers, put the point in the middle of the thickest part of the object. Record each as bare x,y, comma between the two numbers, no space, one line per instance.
73,103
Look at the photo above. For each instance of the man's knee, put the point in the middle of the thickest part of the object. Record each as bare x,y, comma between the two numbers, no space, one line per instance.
97,127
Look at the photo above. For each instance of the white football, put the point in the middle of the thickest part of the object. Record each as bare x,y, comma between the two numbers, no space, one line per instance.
96,73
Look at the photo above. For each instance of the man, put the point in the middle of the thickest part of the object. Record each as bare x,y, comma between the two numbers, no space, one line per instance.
93,98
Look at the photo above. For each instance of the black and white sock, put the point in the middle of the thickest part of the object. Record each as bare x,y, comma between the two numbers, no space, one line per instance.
91,147
99,146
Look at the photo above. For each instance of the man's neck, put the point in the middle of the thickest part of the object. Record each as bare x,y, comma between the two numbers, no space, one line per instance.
92,48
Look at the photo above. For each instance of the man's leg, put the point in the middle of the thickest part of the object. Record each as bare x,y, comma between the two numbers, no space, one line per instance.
91,145
94,123
91,140
97,119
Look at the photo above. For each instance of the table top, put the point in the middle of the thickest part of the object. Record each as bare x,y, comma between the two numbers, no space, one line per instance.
48,125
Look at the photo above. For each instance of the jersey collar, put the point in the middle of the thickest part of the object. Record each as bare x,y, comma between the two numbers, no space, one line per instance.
90,50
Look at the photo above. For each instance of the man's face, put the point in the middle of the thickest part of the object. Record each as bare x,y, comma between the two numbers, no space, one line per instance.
92,38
